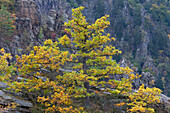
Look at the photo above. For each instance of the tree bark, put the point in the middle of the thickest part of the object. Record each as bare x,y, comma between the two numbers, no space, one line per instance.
86,83
0,40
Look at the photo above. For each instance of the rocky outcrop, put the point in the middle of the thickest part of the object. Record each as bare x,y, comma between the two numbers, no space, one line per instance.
28,19
165,99
7,100
46,6
28,9
147,78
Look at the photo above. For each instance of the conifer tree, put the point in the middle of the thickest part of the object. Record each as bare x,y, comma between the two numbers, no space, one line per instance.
92,56
94,66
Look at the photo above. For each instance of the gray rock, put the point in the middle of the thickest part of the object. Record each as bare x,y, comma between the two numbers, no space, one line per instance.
6,97
165,99
43,78
23,103
17,112
19,79
108,93
1,93
3,85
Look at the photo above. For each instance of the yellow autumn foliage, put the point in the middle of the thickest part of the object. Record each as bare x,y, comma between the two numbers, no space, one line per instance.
93,67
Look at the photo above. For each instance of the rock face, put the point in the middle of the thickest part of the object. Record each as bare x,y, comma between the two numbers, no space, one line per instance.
147,78
46,5
28,19
22,106
36,21
28,9
165,99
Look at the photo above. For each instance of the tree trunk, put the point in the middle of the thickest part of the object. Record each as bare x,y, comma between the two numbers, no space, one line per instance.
87,101
86,83
0,40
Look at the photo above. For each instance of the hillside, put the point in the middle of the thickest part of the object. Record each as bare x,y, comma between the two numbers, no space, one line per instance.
141,29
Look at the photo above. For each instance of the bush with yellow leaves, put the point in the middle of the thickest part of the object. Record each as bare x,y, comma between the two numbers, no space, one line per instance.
142,98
